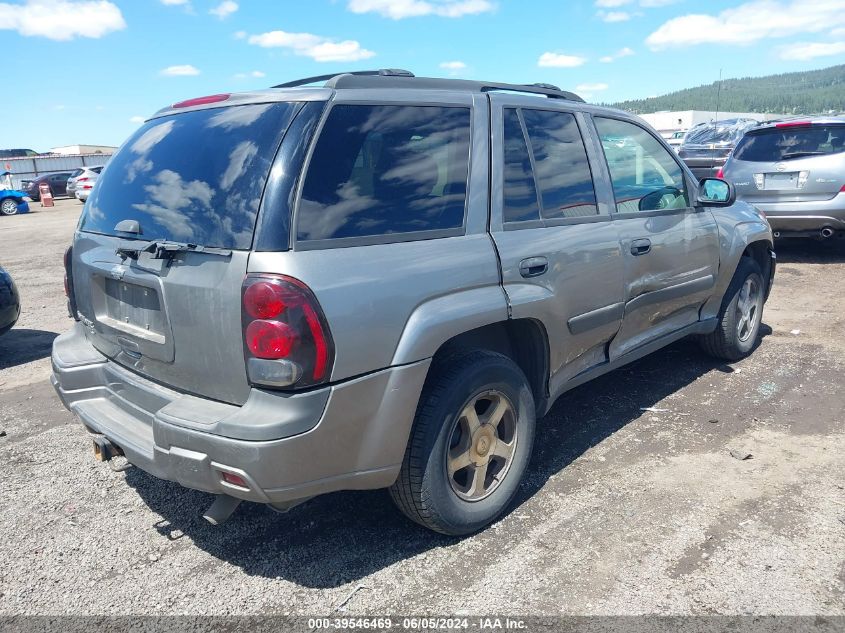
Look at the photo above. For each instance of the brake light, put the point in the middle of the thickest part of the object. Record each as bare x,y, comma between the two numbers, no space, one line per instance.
793,124
720,173
287,342
82,179
71,298
202,101
842,190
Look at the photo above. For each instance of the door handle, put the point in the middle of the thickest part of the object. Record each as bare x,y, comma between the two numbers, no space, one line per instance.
640,247
533,266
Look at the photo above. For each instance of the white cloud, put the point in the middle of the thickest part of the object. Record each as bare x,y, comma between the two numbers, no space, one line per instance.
399,9
183,70
137,119
615,16
318,48
239,35
749,23
590,87
559,60
454,67
253,73
803,51
61,19
224,9
622,52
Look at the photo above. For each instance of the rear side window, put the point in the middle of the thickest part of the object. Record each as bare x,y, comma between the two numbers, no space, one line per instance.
193,177
519,193
776,144
97,170
560,165
380,170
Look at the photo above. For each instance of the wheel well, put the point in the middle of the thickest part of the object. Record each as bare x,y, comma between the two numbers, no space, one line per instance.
759,252
524,341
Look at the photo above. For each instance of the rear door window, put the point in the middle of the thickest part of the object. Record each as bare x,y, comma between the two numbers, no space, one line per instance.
561,166
777,144
194,177
384,170
519,192
645,175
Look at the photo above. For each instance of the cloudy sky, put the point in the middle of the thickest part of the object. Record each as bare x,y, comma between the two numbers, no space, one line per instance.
88,71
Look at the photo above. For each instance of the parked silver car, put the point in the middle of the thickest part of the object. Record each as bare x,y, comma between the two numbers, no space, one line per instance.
382,282
81,182
794,171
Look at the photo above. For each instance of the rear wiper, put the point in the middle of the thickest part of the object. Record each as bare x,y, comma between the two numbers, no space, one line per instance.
797,154
165,249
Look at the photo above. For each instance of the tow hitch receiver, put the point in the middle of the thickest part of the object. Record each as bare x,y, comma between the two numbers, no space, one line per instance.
104,450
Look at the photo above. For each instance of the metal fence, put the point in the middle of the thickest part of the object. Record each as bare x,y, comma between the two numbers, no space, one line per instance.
34,166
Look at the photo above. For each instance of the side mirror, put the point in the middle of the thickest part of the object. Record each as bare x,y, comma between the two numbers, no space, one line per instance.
715,192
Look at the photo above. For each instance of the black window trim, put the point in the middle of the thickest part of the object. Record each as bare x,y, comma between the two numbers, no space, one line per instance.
691,191
547,222
387,238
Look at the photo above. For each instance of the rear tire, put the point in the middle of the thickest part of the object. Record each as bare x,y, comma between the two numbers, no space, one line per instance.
741,315
470,443
8,206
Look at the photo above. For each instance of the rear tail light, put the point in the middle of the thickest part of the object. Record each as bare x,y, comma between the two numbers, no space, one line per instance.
793,124
842,190
71,298
82,179
720,173
287,342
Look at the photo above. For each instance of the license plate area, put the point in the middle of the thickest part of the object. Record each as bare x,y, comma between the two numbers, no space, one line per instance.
130,316
134,309
784,180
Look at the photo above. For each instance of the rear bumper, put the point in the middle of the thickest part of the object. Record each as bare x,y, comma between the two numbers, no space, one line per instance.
347,436
805,217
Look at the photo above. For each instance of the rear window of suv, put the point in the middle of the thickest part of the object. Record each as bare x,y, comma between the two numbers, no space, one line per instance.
776,144
194,177
384,170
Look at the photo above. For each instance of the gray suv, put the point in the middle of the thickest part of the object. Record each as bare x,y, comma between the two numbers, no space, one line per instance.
382,282
794,171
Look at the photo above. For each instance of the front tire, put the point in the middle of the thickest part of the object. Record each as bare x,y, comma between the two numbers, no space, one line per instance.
470,443
741,315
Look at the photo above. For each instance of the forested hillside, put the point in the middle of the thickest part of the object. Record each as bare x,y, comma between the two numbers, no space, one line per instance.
815,91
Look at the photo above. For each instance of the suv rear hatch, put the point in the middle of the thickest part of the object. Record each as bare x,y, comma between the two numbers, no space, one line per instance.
161,252
790,162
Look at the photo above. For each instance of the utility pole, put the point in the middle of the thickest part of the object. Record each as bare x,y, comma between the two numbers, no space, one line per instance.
718,95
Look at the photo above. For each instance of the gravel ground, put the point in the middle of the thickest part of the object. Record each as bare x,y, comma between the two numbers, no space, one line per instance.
625,511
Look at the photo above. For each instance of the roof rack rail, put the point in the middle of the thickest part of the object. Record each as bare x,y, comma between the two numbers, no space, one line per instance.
398,78
384,72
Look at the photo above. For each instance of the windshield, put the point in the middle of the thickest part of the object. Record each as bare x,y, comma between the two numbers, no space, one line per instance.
194,177
719,133
776,144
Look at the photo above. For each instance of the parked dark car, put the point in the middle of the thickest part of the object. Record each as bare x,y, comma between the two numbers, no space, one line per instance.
707,146
10,303
57,182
